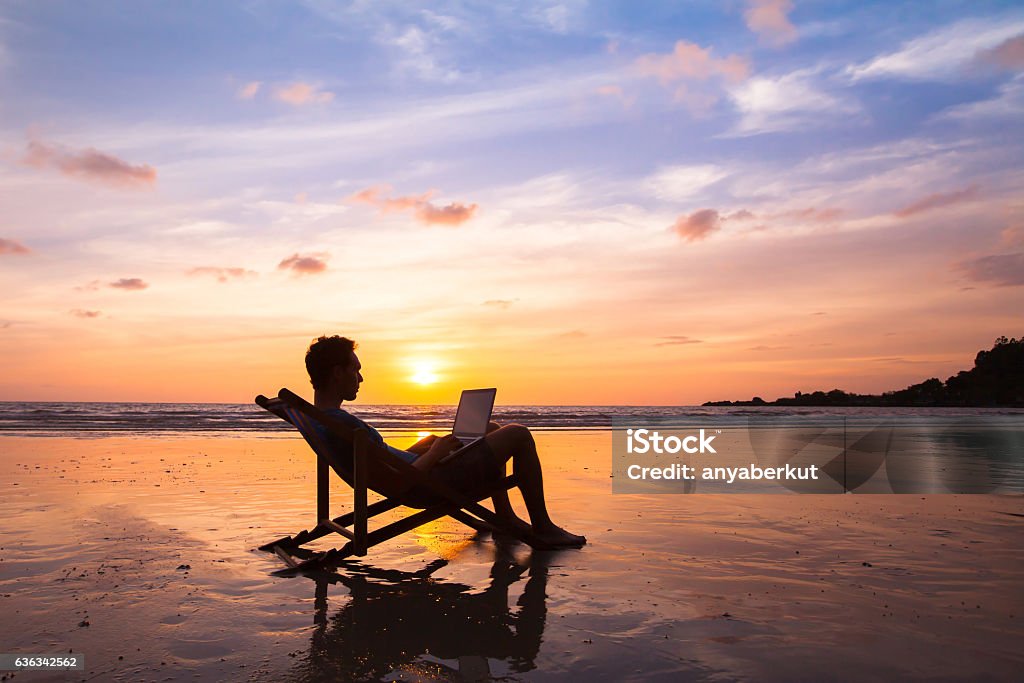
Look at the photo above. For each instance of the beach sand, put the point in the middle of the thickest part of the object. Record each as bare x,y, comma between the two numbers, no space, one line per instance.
139,553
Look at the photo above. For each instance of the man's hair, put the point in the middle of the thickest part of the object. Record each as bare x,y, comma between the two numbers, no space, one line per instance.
324,354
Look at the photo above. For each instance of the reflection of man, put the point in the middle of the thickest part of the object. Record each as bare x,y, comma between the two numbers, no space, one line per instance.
334,371
365,639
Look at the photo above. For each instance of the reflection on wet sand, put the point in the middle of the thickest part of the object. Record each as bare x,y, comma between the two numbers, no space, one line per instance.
396,621
153,543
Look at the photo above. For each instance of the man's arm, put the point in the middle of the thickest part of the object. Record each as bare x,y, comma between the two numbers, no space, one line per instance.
423,445
439,448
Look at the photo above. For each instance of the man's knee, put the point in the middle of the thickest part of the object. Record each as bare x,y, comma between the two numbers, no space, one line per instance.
510,440
518,432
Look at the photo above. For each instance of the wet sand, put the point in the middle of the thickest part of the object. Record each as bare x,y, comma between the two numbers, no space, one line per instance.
140,554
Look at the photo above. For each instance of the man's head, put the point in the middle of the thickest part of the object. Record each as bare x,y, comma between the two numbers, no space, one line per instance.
333,366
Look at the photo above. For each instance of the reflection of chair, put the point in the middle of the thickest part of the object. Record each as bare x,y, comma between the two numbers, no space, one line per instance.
396,622
371,467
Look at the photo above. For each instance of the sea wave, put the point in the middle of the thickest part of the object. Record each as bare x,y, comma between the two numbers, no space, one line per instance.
96,419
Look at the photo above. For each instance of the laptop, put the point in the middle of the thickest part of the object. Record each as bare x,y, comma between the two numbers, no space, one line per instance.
472,417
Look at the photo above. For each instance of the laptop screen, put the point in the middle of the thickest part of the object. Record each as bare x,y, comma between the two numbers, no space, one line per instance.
474,412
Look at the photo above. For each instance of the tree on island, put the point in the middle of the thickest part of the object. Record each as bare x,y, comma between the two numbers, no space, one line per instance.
997,379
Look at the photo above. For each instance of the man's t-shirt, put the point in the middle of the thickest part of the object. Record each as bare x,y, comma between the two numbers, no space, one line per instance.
344,448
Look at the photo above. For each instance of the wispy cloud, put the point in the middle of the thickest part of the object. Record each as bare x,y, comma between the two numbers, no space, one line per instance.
13,247
129,284
679,183
698,225
308,264
793,101
770,21
498,303
89,164
937,200
689,61
1008,103
901,360
249,90
372,196
678,339
222,274
299,94
1004,270
740,215
811,215
418,49
616,92
369,129
452,214
1009,54
943,54
807,215
558,17
83,313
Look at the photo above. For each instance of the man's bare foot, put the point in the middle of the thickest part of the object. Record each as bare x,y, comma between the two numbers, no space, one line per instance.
519,525
558,537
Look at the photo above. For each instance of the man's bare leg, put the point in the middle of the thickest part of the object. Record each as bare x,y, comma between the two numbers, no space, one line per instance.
516,442
502,505
503,508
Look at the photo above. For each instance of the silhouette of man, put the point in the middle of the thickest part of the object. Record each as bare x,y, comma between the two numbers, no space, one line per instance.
335,373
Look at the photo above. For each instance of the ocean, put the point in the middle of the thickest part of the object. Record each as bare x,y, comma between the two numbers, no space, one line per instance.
99,419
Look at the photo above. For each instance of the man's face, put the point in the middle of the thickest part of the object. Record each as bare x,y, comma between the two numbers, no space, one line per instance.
348,378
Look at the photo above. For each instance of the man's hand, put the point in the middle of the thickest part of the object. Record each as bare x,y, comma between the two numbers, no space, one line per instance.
442,447
423,445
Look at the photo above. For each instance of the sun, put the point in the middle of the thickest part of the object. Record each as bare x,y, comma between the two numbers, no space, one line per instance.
424,373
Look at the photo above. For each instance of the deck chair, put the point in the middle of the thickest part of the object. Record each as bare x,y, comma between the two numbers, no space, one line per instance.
370,462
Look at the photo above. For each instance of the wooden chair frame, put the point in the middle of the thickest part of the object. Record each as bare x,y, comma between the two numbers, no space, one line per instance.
366,457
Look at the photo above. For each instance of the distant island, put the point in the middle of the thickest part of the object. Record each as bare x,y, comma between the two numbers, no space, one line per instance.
996,380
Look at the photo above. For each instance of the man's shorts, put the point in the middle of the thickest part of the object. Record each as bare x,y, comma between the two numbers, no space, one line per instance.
476,471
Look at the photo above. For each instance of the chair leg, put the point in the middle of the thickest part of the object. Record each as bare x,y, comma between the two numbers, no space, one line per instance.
323,489
471,521
288,559
361,467
321,530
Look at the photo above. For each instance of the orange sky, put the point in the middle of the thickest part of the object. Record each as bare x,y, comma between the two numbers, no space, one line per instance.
666,210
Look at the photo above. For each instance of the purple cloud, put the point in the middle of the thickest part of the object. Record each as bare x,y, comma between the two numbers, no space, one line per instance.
129,283
697,225
1004,270
304,265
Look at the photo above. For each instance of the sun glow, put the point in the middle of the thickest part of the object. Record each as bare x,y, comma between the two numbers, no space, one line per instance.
424,372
